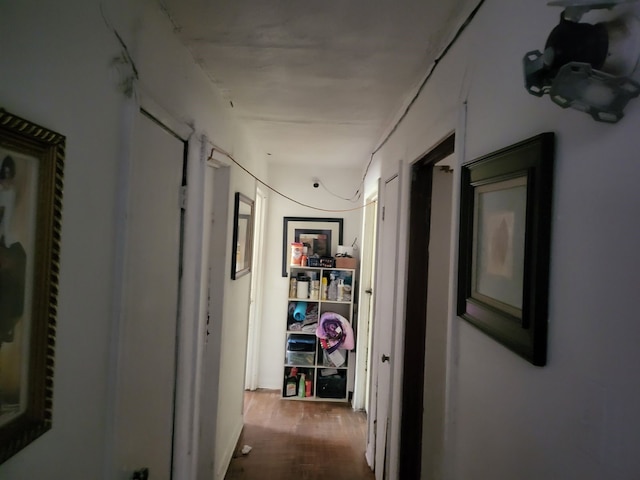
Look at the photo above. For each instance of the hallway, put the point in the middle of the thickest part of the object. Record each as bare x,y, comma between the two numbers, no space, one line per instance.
302,440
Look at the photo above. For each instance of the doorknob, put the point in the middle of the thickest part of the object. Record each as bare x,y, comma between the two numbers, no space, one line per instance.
385,358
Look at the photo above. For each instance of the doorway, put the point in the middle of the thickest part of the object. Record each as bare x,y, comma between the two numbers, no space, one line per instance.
424,362
362,388
255,294
383,328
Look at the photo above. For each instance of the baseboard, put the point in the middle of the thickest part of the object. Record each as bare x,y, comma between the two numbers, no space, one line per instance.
229,451
369,455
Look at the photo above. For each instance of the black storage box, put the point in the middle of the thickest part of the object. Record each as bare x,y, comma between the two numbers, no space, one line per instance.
333,386
301,343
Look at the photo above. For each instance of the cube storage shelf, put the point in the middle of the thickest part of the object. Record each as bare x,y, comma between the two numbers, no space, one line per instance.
327,375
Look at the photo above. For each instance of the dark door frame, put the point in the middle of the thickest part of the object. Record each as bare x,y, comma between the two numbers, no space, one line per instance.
416,309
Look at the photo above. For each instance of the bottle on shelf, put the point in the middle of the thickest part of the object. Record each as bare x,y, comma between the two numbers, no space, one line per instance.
314,294
324,288
332,294
307,388
301,386
293,288
291,383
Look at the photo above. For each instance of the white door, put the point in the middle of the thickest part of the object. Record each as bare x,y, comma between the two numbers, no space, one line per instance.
361,391
384,322
145,404
255,318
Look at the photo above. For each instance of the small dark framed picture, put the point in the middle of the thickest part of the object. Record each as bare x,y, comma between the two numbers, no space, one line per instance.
505,236
242,236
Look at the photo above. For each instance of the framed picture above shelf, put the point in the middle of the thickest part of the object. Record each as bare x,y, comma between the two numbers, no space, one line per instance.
322,235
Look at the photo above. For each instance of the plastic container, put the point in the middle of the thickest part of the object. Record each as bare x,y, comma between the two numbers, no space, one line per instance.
315,290
302,290
296,253
300,358
332,294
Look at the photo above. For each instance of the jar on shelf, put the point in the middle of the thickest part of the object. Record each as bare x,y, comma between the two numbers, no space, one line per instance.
314,294
302,290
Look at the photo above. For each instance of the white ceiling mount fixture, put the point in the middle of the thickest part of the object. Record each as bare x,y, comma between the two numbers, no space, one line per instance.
216,158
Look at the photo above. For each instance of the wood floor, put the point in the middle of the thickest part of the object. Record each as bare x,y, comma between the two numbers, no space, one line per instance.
300,440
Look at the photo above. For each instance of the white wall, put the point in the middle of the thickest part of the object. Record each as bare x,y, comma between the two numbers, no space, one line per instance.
58,71
577,417
297,183
49,77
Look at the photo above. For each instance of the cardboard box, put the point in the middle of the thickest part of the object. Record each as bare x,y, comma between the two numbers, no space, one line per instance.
346,262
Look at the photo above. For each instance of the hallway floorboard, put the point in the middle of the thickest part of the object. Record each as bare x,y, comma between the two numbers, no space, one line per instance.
300,440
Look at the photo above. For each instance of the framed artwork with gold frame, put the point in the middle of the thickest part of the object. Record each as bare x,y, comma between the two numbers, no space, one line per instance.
31,174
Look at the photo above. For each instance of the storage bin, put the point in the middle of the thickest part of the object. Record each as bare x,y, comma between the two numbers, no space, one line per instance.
333,386
346,262
301,343
327,262
300,358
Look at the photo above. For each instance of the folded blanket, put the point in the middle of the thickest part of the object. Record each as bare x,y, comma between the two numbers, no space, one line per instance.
336,330
309,328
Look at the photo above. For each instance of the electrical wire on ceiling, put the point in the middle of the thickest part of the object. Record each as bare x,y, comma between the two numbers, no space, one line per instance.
354,198
230,157
461,29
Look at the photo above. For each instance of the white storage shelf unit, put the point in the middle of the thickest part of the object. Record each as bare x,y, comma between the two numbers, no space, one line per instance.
304,355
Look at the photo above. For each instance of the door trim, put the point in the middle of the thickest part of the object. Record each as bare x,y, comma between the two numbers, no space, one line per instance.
410,455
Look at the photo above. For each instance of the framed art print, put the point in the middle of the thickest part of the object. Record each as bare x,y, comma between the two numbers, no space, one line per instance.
323,235
505,228
31,169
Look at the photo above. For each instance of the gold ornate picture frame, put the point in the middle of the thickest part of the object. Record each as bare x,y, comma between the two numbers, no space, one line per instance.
31,174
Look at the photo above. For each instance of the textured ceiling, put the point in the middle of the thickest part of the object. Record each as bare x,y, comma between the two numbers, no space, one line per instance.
317,81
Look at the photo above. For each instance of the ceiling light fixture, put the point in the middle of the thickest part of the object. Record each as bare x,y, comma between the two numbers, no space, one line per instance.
589,67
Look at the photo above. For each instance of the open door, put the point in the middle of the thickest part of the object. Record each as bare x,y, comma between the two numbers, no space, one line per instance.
383,327
362,389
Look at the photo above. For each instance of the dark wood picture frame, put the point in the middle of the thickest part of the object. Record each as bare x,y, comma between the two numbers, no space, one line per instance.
505,236
242,236
293,227
32,170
